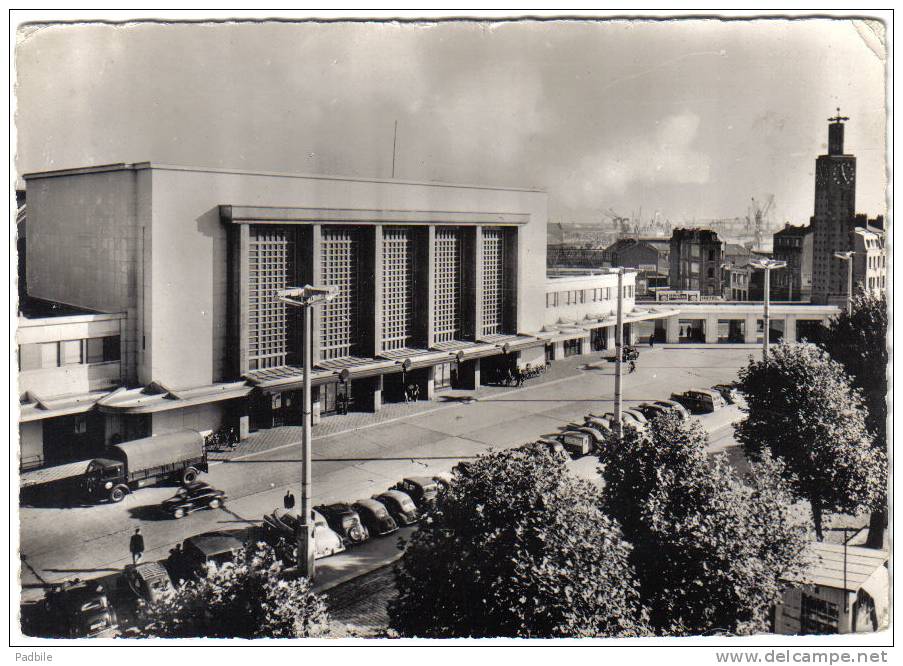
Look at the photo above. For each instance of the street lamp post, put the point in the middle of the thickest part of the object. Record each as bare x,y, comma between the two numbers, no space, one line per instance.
619,344
766,265
848,257
306,297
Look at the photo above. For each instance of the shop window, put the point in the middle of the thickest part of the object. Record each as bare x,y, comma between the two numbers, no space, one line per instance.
572,347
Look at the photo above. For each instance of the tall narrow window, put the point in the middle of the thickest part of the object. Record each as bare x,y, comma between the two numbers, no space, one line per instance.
340,330
494,281
398,289
271,268
448,296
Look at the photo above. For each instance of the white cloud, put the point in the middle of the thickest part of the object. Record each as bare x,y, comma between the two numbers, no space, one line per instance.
665,157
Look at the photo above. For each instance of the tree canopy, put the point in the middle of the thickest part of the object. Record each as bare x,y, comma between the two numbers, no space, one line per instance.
245,598
803,409
709,551
517,547
858,341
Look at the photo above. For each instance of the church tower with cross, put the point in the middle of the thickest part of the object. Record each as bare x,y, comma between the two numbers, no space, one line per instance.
834,218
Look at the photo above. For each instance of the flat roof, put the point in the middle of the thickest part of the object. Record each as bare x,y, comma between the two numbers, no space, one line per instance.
140,166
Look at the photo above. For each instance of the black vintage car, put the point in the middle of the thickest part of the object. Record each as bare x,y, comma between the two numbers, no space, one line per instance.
345,521
400,505
191,559
78,609
375,517
193,497
422,489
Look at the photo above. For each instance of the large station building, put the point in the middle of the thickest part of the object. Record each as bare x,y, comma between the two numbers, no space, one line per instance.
160,284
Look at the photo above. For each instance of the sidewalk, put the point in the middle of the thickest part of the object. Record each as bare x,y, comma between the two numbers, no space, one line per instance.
272,439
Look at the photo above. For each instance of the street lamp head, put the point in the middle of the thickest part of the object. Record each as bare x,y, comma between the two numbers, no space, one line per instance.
307,295
844,255
767,264
623,270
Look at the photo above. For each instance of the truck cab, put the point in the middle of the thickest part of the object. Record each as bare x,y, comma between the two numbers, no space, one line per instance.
105,478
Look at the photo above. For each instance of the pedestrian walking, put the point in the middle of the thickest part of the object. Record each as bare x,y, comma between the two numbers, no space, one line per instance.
632,367
652,340
289,500
136,546
415,392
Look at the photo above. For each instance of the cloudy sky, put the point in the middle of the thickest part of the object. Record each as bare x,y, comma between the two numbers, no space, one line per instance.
687,118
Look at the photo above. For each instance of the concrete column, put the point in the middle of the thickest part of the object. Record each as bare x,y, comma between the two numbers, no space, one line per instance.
476,374
316,279
558,348
790,328
431,383
315,406
711,329
672,331
431,287
377,293
377,393
749,335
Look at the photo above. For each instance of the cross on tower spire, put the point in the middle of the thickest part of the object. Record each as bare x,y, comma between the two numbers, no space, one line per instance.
838,118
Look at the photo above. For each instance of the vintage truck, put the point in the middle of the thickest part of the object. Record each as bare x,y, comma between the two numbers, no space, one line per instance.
178,456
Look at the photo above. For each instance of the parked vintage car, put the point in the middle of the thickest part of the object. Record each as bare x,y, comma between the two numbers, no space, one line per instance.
78,609
375,517
400,505
576,443
197,552
628,417
652,409
280,530
730,394
597,435
193,497
553,446
700,400
422,489
599,423
345,521
444,479
147,581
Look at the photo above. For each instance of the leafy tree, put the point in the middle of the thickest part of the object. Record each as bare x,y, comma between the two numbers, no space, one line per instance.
245,598
710,551
802,409
518,548
858,341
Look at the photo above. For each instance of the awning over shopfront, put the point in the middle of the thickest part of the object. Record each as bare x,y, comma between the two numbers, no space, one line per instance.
36,408
158,398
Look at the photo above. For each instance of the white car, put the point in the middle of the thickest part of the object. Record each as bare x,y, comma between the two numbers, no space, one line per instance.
326,541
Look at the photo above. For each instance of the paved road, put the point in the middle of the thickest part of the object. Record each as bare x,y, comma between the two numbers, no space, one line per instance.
57,543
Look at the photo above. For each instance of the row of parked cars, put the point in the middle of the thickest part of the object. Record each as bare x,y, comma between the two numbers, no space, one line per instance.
80,608
104,608
576,440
